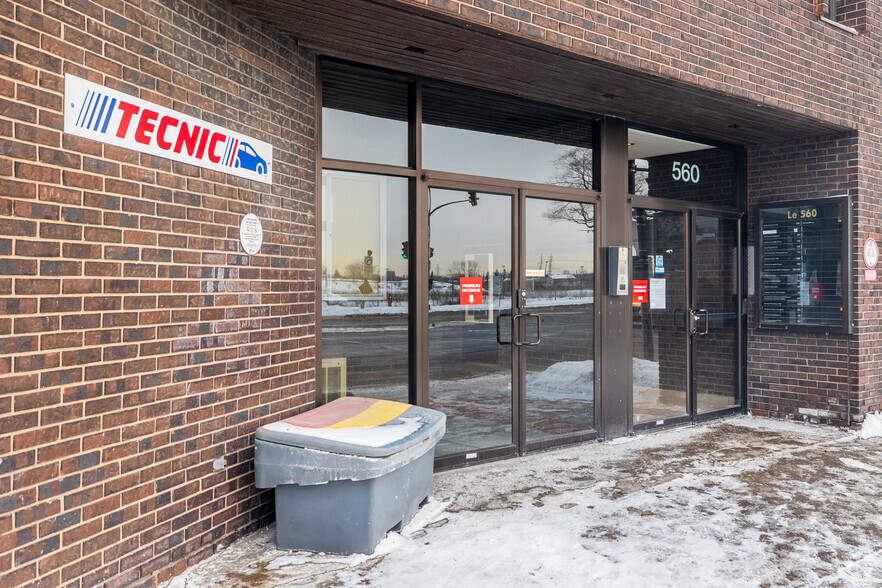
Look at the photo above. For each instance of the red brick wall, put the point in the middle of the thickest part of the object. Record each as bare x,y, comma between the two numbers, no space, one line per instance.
138,343
802,375
852,13
747,49
868,295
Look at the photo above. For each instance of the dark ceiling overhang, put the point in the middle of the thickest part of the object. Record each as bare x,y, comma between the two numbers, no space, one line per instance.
427,42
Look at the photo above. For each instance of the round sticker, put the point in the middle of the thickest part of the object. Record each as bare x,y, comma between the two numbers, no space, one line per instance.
871,253
251,234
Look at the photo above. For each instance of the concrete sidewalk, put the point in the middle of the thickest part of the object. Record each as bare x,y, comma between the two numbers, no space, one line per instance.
739,502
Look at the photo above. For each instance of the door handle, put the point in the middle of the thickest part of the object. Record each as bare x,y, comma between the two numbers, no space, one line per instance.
697,315
538,340
498,334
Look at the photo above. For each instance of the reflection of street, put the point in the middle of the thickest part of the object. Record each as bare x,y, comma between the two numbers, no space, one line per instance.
470,373
375,346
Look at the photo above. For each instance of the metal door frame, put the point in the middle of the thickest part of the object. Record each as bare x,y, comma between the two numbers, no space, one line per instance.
740,342
582,197
690,211
519,192
421,322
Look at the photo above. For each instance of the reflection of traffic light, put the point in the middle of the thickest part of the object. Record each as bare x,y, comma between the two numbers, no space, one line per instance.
473,198
404,250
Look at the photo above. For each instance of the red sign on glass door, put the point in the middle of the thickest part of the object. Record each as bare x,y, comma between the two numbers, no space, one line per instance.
471,291
641,291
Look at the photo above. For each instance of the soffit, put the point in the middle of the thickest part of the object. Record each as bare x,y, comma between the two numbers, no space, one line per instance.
426,42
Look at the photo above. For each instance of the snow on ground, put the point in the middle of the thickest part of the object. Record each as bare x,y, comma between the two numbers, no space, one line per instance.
739,502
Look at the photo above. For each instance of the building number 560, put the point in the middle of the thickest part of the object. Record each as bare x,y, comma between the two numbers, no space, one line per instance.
685,172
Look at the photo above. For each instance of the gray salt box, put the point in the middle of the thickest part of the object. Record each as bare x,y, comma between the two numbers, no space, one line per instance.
347,472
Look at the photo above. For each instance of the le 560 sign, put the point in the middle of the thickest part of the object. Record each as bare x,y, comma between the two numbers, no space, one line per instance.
684,172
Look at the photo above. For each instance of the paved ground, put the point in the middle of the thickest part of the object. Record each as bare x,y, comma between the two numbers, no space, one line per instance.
740,502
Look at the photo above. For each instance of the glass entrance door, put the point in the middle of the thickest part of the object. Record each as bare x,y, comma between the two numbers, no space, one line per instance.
470,310
510,321
686,309
558,283
716,312
659,309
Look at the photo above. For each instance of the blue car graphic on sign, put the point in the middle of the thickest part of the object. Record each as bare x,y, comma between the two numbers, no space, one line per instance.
247,158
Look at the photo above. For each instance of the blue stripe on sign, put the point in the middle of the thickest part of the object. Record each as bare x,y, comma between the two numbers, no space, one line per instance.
94,108
100,113
227,151
83,108
90,109
109,114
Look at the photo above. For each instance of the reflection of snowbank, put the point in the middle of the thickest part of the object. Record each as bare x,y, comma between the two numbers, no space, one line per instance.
342,307
645,380
561,381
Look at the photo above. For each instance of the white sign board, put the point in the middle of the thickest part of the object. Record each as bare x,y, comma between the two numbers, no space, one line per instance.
105,115
657,294
251,234
871,253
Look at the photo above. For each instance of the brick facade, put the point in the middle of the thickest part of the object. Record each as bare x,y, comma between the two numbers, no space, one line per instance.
139,346
804,375
779,55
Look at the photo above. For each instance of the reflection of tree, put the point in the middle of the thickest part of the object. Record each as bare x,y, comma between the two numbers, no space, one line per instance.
357,271
458,268
576,168
574,212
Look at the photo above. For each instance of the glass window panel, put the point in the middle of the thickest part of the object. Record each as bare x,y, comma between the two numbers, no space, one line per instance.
560,287
479,133
469,371
364,115
715,268
364,286
667,167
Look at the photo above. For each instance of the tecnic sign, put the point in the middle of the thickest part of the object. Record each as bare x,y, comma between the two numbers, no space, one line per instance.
105,115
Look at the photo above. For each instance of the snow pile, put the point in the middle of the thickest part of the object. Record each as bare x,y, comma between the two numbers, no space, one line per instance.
872,426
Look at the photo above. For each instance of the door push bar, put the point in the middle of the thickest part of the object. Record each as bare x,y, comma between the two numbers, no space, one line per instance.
697,315
514,319
498,335
538,340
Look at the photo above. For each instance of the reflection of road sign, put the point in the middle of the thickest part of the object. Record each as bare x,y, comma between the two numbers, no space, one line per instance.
368,260
471,291
365,288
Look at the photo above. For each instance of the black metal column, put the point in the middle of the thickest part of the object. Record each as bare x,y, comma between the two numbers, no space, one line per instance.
614,357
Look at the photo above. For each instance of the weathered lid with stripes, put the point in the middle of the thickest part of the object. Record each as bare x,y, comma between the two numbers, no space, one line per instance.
356,426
